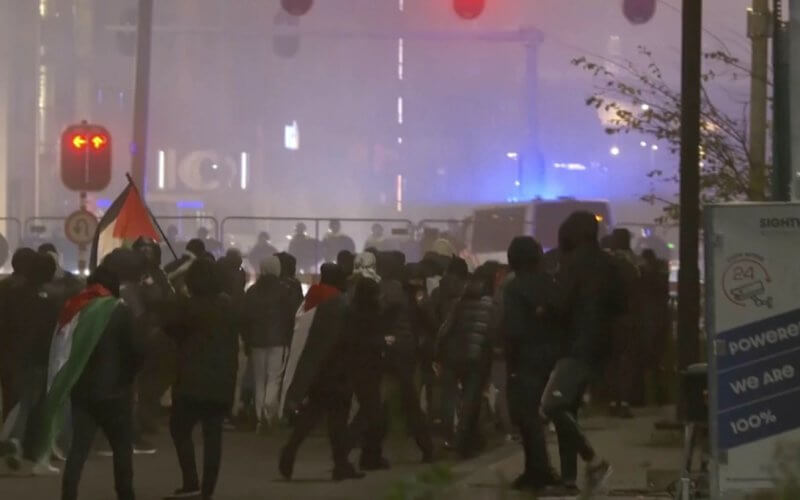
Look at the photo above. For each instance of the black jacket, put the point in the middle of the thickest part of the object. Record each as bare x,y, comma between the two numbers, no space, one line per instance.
396,319
533,334
364,325
265,314
595,297
469,333
112,367
204,329
29,317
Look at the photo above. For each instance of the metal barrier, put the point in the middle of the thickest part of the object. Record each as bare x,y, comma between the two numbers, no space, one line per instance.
8,243
306,237
456,231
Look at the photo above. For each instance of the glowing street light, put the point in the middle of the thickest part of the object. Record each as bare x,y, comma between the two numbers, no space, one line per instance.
645,107
654,147
614,151
643,144
512,155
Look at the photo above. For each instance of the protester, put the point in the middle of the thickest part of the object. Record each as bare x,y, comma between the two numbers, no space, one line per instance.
368,343
176,270
212,246
654,318
204,326
266,337
64,284
98,371
594,298
158,371
22,263
321,383
532,343
464,354
30,319
400,351
376,237
622,370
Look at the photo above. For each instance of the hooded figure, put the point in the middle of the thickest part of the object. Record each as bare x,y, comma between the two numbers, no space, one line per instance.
176,270
317,372
594,297
64,284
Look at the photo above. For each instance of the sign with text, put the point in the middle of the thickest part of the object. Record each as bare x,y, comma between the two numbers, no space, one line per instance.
753,320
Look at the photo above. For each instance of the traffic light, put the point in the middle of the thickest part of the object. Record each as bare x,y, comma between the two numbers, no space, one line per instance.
86,157
639,11
297,7
469,9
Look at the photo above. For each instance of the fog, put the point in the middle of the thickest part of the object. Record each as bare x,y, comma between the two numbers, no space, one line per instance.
318,130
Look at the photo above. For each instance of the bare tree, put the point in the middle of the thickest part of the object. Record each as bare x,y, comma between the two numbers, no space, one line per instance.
641,101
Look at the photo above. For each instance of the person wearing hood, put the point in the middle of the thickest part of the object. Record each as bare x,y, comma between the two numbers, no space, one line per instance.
304,248
64,284
261,250
321,385
594,298
364,324
153,290
532,335
22,263
401,346
205,327
464,354
176,270
266,338
29,319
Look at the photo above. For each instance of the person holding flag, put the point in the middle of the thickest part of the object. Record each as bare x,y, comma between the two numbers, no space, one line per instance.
317,374
93,362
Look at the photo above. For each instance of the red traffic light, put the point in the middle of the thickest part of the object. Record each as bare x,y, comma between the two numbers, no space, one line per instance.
639,11
79,142
86,157
297,7
99,141
469,9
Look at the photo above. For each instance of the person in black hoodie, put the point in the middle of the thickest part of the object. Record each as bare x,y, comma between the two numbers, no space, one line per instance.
594,296
532,342
367,358
401,345
465,348
30,318
103,395
22,263
204,325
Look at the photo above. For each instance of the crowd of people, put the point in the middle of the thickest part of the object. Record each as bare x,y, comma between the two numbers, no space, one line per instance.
532,337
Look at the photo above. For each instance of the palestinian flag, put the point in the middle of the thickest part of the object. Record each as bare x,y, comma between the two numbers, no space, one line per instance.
317,329
80,325
124,222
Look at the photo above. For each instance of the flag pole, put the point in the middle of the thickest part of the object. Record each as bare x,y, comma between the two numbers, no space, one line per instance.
163,235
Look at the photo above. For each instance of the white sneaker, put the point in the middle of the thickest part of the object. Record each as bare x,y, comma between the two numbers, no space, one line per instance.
45,469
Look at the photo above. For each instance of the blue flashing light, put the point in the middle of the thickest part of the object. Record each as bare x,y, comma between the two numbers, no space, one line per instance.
103,203
190,204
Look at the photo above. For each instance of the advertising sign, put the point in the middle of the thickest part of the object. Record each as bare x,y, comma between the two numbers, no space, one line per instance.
753,322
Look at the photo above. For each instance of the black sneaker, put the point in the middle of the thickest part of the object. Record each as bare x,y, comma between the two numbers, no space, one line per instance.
596,477
184,493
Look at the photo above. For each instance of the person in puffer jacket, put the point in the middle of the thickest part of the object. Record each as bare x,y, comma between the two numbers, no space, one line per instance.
465,354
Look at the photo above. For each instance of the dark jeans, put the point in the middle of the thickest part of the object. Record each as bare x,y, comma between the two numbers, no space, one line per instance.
564,389
472,375
525,389
367,426
186,414
9,394
402,371
114,417
330,398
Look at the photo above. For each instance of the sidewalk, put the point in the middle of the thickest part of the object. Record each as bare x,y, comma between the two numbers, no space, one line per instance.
627,444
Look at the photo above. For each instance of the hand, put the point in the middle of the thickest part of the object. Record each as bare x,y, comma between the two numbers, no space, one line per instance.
437,368
390,340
